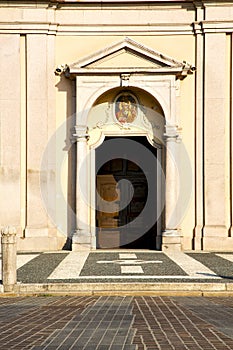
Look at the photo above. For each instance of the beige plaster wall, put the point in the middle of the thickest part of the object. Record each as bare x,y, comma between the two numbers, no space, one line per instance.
70,49
125,14
219,11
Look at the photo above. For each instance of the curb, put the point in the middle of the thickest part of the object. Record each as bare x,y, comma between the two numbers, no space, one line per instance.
136,289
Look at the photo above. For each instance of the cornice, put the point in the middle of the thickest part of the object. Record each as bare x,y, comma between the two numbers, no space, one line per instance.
152,29
205,27
60,2
87,29
28,28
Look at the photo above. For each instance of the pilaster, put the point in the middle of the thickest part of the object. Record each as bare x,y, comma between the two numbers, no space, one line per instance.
81,239
199,132
216,177
10,130
40,190
171,239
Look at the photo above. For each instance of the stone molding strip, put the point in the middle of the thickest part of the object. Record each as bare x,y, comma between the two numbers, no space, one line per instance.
198,289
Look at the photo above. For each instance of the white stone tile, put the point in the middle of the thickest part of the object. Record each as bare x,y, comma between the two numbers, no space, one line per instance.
147,277
24,259
70,267
131,269
228,257
21,260
127,256
191,266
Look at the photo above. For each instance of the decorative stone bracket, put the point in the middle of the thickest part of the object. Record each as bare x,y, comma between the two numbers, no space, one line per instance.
125,80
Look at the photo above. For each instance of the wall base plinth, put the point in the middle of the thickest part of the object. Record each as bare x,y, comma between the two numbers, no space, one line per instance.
171,241
215,231
197,238
80,247
81,241
218,244
40,244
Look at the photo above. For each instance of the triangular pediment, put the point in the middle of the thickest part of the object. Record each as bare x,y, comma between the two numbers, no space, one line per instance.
127,55
125,58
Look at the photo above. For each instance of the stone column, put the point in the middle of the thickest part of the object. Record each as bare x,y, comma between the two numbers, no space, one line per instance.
171,236
81,239
9,255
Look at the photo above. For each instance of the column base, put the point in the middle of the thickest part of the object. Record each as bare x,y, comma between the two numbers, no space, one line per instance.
81,241
80,247
171,241
198,239
9,288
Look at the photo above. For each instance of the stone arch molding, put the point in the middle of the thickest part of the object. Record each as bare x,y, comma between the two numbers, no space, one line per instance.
126,64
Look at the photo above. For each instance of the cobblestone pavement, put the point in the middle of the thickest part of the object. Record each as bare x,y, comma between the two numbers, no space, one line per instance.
124,266
115,323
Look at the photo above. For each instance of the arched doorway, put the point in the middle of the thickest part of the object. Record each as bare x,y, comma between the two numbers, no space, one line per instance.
125,112
126,128
129,208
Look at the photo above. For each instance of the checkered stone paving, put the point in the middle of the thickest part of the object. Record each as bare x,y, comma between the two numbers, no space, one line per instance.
116,323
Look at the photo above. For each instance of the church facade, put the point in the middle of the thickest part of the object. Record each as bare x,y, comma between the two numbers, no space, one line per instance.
116,124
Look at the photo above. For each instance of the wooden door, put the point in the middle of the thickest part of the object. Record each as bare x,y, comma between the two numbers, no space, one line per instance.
120,226
107,217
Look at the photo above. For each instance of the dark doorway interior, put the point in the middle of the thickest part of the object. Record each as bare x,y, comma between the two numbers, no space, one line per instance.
128,227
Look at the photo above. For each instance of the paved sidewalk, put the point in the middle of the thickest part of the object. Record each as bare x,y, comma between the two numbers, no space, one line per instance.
125,270
116,323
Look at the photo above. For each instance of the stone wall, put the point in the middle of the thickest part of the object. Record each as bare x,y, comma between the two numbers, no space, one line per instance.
37,36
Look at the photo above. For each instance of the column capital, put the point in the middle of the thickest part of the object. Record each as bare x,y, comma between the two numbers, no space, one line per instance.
79,133
172,133
8,231
171,233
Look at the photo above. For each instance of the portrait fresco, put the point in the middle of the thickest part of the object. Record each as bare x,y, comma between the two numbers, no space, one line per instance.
126,108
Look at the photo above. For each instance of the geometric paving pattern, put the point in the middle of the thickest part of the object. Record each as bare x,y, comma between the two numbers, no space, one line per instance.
113,266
